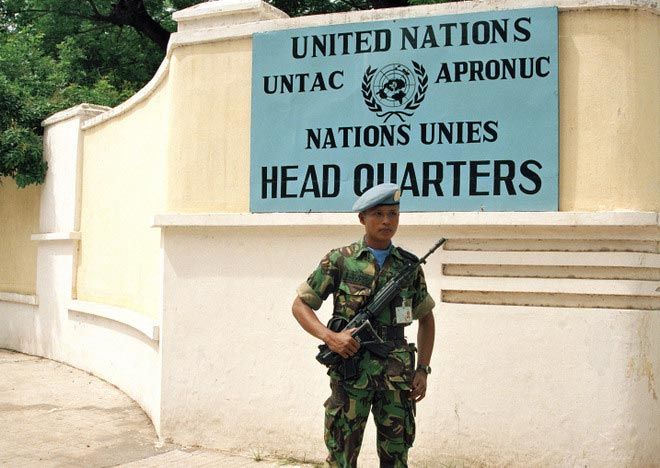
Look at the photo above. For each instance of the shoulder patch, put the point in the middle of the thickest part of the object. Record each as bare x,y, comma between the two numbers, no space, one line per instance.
348,250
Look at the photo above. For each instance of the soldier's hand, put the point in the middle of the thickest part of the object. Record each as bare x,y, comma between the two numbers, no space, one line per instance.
343,343
419,386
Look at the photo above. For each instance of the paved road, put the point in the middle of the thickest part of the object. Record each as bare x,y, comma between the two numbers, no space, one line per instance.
52,415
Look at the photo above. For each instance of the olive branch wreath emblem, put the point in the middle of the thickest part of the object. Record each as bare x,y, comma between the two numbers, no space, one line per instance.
374,106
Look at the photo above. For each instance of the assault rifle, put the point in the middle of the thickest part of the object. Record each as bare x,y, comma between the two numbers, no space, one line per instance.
364,332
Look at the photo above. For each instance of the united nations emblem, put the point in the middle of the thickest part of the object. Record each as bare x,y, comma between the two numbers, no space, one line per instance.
394,90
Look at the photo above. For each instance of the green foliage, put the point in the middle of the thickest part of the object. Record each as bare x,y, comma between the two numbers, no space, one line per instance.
21,156
317,7
55,54
26,82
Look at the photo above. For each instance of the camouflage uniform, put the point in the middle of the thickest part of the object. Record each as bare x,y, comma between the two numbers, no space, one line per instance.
382,385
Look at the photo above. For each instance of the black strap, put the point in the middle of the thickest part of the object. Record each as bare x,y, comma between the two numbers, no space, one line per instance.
388,333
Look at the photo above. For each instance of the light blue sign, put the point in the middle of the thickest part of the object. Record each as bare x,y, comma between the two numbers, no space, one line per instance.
460,111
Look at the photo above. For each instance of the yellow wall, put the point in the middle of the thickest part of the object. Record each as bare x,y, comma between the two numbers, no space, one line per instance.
209,163
609,110
19,219
609,117
186,148
122,189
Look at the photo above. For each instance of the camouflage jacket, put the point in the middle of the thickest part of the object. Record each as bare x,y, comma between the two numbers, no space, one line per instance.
351,274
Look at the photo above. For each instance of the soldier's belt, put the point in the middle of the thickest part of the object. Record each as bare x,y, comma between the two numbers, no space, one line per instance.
388,333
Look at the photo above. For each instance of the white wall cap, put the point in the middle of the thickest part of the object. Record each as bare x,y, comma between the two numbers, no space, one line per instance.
650,5
142,95
614,218
56,236
196,35
205,12
145,325
208,31
225,12
84,110
253,219
18,298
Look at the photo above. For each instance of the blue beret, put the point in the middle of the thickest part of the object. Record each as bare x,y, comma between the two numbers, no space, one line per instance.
383,194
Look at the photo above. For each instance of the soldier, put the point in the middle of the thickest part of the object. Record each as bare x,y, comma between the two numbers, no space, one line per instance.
387,385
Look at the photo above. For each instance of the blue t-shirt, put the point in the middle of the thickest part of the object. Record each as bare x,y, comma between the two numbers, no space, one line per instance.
381,254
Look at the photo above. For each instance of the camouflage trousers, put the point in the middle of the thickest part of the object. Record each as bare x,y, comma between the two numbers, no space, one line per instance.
346,413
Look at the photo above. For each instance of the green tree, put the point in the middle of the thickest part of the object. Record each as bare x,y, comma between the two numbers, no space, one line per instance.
55,54
317,7
21,105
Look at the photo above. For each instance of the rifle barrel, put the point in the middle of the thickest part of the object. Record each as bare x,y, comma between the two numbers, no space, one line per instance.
433,249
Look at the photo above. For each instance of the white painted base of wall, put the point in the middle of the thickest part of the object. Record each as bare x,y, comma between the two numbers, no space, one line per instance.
511,385
542,386
114,351
514,385
18,330
117,345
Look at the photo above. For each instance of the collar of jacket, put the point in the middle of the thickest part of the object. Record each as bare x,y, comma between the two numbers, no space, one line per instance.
364,250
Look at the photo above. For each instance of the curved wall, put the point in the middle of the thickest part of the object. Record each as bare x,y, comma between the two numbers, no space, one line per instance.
555,311
115,344
185,148
123,184
19,219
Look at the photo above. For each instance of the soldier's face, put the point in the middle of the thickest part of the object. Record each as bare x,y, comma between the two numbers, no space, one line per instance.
380,224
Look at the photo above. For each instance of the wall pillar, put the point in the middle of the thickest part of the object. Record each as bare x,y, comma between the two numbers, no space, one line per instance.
59,224
113,343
